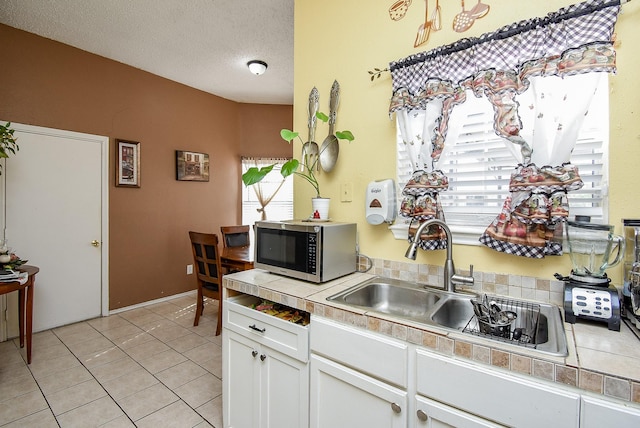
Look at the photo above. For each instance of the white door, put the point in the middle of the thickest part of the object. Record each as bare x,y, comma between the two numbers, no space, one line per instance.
56,217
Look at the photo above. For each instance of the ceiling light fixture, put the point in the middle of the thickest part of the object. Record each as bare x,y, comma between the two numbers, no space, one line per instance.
257,67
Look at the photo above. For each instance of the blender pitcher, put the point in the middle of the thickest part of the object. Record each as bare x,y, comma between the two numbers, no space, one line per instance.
592,248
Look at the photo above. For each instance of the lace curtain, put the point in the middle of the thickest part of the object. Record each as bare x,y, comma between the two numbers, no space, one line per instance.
529,72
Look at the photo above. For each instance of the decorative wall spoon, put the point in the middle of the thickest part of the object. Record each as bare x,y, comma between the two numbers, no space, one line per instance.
330,147
310,148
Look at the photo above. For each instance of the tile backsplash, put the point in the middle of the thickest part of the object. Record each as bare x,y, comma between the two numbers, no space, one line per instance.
514,286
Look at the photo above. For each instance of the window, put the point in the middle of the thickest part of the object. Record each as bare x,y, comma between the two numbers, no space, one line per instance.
479,165
280,207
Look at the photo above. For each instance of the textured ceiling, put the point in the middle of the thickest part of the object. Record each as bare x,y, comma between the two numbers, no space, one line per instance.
204,44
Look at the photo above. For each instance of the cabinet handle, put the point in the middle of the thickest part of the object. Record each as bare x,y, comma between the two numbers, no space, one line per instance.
260,330
396,407
254,353
263,357
422,416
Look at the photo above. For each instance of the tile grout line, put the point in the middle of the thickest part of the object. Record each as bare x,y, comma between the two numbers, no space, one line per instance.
134,359
92,376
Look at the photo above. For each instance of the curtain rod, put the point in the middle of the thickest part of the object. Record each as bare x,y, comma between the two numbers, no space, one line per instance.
488,37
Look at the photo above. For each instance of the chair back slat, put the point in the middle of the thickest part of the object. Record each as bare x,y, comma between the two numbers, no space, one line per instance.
235,236
206,258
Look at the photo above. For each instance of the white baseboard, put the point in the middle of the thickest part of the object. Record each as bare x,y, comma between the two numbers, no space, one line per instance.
151,302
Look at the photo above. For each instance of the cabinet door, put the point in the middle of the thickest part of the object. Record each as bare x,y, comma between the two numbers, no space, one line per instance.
596,413
241,381
344,398
285,391
433,414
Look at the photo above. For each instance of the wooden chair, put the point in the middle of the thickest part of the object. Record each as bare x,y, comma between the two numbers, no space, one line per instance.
235,236
206,257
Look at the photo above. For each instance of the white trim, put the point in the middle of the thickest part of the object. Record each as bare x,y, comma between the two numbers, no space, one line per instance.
105,225
400,231
465,235
153,302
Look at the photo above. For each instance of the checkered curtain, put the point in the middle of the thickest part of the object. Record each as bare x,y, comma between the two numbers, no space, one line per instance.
524,64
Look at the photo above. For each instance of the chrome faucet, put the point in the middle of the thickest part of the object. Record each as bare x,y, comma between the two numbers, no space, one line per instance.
451,278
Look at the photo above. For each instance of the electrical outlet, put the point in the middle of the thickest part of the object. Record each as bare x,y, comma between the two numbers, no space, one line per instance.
189,269
346,192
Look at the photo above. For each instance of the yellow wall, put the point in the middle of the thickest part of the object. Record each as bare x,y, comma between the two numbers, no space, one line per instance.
343,39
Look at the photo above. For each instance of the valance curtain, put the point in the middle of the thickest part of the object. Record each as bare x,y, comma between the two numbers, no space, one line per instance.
539,77
265,190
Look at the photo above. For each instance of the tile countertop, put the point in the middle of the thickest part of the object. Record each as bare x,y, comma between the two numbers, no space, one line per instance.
599,361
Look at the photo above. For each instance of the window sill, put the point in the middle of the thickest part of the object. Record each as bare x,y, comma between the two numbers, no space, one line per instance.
462,235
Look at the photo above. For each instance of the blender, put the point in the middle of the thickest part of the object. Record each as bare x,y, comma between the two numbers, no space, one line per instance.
588,294
631,289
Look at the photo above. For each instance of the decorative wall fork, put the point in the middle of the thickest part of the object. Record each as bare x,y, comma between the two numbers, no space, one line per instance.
430,24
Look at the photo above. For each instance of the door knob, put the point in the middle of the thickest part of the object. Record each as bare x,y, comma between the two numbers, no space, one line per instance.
95,243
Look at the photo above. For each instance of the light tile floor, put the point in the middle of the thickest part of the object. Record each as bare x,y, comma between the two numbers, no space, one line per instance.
146,367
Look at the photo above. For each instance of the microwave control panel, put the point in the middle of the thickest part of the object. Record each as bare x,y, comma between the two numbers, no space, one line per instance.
312,251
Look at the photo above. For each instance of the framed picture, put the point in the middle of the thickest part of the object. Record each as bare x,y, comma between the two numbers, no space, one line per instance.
192,166
127,163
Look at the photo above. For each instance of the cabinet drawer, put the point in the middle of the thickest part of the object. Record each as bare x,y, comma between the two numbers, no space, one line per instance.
597,413
283,336
376,355
491,394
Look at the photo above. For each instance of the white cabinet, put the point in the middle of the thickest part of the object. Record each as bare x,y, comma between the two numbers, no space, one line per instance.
330,375
344,398
597,413
432,414
265,369
502,397
358,379
241,381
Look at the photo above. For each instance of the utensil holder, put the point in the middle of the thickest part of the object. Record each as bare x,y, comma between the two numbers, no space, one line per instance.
495,329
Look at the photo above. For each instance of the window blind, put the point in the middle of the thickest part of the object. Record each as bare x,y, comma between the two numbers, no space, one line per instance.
479,165
280,207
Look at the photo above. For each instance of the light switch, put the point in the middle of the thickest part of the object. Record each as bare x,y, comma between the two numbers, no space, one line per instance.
346,192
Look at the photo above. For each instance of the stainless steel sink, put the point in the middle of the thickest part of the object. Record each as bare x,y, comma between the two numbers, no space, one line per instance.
455,313
541,323
392,297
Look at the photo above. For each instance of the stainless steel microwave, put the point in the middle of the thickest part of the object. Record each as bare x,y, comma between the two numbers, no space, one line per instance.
311,251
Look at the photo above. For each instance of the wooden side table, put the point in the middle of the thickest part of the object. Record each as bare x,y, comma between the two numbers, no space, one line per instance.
25,305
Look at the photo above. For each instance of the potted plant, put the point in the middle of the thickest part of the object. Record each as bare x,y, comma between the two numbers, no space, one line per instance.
8,143
309,166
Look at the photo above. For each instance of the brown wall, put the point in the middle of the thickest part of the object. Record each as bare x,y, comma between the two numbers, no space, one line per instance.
50,84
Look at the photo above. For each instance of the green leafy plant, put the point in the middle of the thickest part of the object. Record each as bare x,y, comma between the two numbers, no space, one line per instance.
8,143
307,170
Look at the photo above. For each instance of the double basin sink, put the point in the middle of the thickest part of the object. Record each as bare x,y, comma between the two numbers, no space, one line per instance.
454,311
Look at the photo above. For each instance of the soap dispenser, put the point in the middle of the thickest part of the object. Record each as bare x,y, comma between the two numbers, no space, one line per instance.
381,202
